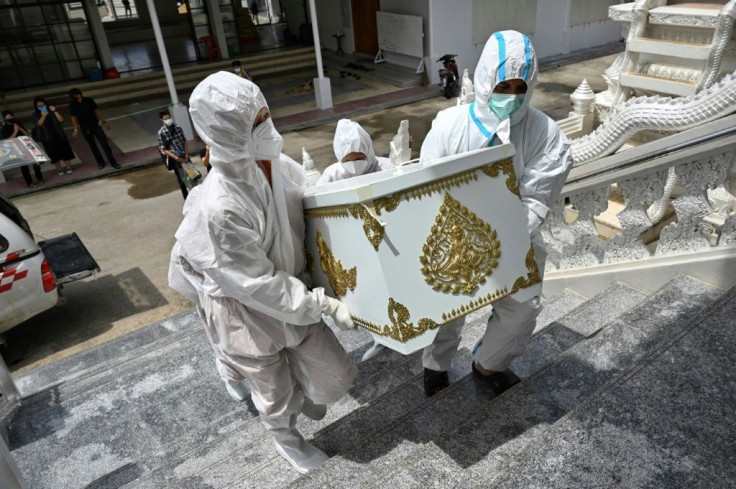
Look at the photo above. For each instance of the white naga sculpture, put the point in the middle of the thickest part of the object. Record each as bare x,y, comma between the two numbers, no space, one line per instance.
311,171
467,90
400,148
673,76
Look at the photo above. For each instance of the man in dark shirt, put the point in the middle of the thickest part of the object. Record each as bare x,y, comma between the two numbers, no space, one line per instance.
173,146
86,115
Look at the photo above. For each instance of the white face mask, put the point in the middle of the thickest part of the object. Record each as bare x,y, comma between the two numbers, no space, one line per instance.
266,142
168,122
355,167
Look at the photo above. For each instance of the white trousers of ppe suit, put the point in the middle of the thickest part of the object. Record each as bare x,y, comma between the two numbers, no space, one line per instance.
282,364
508,330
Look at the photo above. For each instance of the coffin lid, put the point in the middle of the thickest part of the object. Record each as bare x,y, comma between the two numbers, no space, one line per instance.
373,185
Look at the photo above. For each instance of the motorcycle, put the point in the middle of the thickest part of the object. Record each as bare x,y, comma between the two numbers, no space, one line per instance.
449,77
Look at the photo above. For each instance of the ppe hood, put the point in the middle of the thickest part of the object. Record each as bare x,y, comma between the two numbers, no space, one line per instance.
506,55
351,138
223,107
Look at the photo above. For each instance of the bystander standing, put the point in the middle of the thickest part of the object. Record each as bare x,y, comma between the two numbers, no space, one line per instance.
48,131
173,146
89,118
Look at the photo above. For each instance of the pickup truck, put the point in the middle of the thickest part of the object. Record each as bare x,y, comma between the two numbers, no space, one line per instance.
33,274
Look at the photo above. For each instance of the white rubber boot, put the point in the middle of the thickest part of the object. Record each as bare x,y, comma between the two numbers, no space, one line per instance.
373,351
237,390
291,445
312,410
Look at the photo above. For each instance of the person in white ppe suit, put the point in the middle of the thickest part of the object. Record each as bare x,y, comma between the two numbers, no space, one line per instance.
241,242
354,153
504,83
355,156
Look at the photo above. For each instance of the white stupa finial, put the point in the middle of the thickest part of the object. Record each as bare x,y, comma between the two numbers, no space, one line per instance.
311,171
400,150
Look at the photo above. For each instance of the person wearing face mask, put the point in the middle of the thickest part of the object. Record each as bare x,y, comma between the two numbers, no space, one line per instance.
242,73
354,152
47,130
12,128
173,147
239,251
504,82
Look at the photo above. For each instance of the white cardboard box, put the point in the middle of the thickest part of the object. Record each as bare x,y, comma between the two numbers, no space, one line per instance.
413,248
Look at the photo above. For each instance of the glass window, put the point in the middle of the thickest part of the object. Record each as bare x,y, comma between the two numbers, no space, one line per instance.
230,30
60,33
80,31
86,49
54,13
66,52
75,11
32,17
45,54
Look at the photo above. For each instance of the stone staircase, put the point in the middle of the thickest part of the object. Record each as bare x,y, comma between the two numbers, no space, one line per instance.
110,92
675,49
621,389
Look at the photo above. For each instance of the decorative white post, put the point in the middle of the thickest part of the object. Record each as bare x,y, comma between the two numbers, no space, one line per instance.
311,171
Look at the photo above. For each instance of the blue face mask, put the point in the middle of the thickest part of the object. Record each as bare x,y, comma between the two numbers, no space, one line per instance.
42,108
505,105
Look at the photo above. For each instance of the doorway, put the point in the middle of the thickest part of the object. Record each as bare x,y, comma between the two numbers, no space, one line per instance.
365,30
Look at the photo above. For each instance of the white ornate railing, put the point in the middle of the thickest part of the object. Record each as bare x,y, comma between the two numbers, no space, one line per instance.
703,158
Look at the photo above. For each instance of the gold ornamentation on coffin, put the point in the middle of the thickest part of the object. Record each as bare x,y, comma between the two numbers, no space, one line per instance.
532,277
506,167
374,229
340,279
461,251
400,328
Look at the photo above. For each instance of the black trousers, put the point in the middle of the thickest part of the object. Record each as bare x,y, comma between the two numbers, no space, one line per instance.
27,173
96,132
179,171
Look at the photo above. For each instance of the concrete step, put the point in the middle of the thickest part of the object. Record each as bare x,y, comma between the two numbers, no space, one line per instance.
481,450
636,432
203,469
261,66
390,445
105,356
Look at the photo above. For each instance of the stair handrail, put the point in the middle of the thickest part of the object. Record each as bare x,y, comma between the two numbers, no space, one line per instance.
654,156
656,113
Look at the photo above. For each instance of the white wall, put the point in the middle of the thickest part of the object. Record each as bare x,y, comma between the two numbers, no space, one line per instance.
451,27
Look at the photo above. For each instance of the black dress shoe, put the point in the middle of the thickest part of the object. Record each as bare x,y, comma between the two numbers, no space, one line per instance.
115,165
498,381
434,381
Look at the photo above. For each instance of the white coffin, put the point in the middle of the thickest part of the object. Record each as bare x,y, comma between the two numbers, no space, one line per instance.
413,248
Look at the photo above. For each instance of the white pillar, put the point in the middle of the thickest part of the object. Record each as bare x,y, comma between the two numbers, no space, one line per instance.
322,90
98,32
213,12
179,113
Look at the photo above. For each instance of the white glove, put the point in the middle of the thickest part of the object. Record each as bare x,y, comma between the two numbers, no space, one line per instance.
339,313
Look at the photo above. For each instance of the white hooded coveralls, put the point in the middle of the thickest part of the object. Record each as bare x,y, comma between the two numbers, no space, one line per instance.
350,137
543,160
241,245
